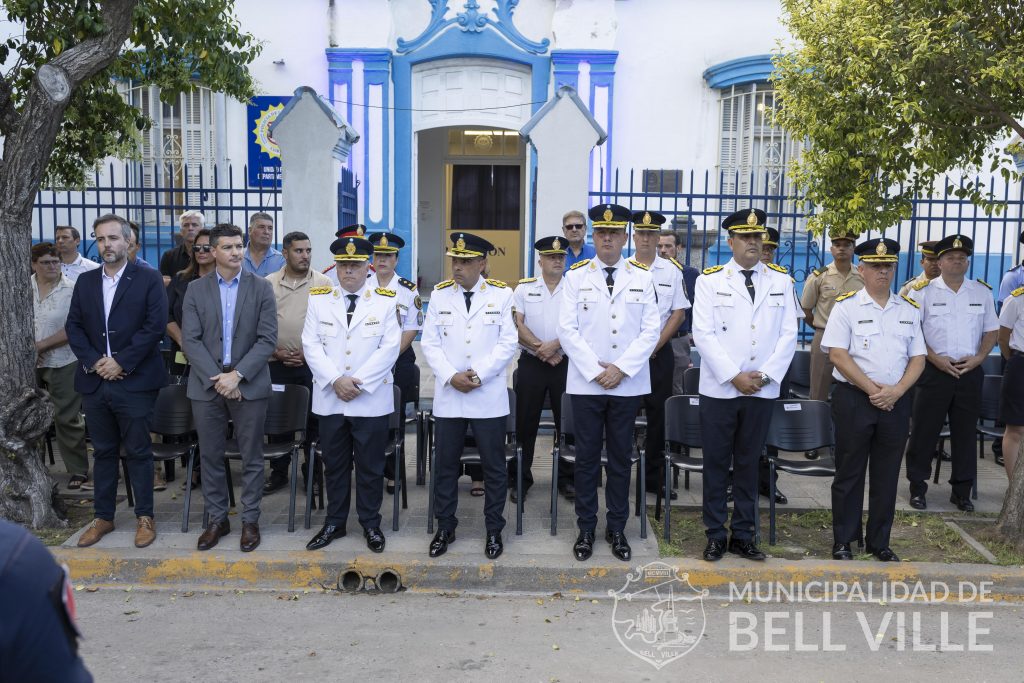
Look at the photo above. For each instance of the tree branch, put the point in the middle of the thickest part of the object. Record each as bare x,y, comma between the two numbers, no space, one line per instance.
90,56
8,113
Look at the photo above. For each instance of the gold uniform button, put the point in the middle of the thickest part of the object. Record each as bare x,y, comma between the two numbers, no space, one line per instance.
615,331
615,346
348,367
753,327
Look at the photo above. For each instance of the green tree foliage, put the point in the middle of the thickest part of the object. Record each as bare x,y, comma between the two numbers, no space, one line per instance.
891,94
172,44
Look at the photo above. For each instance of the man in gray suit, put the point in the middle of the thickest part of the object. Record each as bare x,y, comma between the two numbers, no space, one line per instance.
229,331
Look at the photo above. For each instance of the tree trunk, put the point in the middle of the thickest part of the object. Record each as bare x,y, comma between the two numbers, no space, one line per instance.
1011,519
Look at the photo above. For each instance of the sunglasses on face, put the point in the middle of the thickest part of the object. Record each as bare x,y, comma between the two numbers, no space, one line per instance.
202,247
574,226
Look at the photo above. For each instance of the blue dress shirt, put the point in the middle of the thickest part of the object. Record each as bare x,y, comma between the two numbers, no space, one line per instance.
586,252
272,262
228,296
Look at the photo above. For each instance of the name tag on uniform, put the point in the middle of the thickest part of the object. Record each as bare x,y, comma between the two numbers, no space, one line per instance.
534,294
775,300
492,317
445,318
664,284
372,327
325,328
976,309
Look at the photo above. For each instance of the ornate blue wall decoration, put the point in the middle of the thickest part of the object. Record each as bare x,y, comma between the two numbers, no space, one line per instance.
753,69
472,20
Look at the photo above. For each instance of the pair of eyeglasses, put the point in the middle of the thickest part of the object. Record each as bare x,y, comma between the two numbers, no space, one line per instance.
574,226
202,247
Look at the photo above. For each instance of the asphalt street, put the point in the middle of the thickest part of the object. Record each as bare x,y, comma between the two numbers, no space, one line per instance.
270,636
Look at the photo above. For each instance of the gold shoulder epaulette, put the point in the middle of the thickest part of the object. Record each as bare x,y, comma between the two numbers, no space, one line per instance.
777,268
320,290
385,292
815,271
527,279
910,301
1017,292
984,283
639,265
579,264
677,264
712,269
496,283
442,285
792,279
845,296
408,284
917,287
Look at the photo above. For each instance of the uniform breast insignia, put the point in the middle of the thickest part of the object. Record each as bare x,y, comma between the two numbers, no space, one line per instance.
777,268
984,283
527,279
639,265
841,297
910,301
922,284
1017,292
442,285
320,290
579,264
496,283
408,284
712,269
385,292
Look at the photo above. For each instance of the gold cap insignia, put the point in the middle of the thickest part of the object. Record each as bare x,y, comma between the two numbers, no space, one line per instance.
350,248
461,244
607,215
556,244
383,240
957,244
647,218
881,249
751,218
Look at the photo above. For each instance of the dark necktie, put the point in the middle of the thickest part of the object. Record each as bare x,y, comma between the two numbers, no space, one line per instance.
610,281
748,274
352,298
469,300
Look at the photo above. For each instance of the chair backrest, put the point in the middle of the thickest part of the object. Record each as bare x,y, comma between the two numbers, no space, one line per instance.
567,421
691,381
396,420
694,357
800,425
991,387
172,412
799,372
510,421
287,411
993,364
682,420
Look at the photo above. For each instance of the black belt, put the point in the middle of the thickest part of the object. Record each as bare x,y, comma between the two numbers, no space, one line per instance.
1015,352
679,334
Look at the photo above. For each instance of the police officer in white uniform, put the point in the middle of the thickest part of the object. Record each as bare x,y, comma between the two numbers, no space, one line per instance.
410,309
960,327
670,294
350,340
608,327
542,366
745,326
469,339
873,337
354,230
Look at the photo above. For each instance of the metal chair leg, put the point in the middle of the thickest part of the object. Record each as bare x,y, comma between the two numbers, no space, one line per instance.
311,475
421,447
519,488
771,502
554,490
668,500
293,489
127,483
398,486
642,498
405,488
188,490
430,497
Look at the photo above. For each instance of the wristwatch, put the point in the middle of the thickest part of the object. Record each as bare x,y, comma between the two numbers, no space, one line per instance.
240,375
765,379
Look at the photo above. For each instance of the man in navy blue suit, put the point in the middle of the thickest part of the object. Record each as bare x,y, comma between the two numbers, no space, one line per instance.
116,321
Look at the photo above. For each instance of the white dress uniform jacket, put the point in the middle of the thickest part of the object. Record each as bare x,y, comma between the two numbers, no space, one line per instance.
881,341
955,322
736,335
483,339
410,307
621,328
669,288
366,349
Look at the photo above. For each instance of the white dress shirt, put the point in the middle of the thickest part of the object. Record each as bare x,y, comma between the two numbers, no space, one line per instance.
955,322
109,289
1012,317
80,265
540,308
669,288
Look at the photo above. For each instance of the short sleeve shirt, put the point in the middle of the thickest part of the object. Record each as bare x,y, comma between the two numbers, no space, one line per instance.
50,315
1012,317
821,290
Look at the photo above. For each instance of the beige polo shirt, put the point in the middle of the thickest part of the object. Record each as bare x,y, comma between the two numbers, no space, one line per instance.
821,290
292,298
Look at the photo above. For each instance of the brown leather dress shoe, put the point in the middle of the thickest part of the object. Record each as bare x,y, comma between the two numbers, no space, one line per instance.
145,533
94,532
209,538
250,537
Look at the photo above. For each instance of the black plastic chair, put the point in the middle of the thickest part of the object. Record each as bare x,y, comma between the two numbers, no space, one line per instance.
691,381
991,387
285,431
694,357
471,456
565,449
798,377
798,426
682,433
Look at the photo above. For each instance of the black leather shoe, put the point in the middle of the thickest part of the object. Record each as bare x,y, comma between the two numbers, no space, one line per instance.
619,544
918,502
276,482
714,550
811,455
374,539
841,551
390,488
883,554
514,494
745,549
962,504
439,546
584,546
212,534
672,496
493,547
328,533
780,497
567,489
